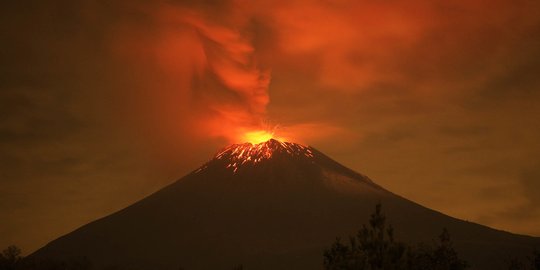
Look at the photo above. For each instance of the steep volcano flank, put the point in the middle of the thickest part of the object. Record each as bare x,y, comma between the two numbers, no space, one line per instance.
278,207
278,156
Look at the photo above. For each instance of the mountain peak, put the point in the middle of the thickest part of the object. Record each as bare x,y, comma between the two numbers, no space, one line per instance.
238,155
269,205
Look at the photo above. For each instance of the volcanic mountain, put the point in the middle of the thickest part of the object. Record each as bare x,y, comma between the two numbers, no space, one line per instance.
273,205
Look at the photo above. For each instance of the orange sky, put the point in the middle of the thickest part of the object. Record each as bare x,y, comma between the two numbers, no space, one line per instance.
103,103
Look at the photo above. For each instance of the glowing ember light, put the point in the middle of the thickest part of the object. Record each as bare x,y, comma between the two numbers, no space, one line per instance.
244,154
256,137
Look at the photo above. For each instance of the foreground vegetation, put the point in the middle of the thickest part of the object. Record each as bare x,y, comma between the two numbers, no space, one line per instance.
372,248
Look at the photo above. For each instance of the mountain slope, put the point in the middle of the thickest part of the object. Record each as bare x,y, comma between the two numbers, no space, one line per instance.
273,205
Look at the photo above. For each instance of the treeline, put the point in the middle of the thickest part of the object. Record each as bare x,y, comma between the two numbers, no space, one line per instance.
11,259
372,248
375,248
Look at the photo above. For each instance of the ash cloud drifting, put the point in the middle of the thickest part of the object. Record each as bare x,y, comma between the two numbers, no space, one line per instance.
212,56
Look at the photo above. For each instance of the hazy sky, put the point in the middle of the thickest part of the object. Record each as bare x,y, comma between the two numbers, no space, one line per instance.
105,102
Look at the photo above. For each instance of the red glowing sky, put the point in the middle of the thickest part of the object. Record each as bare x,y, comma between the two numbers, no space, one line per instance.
103,103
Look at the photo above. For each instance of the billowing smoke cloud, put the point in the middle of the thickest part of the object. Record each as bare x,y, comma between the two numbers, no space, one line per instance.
203,68
230,59
213,60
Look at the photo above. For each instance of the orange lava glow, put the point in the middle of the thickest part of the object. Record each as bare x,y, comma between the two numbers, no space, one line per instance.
250,154
256,137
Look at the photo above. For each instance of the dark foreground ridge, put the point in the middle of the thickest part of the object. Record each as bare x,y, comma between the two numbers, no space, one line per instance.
274,205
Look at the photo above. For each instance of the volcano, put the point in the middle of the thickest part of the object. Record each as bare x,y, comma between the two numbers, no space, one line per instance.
272,205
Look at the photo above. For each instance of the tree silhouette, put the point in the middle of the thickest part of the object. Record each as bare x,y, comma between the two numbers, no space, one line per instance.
441,257
532,263
10,258
444,256
374,248
536,260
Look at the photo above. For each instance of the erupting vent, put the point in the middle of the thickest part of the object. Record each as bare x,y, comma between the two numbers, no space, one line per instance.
247,153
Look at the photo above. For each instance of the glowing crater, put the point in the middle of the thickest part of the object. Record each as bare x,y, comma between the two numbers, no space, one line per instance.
238,155
256,137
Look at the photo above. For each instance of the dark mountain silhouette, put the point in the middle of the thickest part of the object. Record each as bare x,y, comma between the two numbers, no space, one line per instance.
273,205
